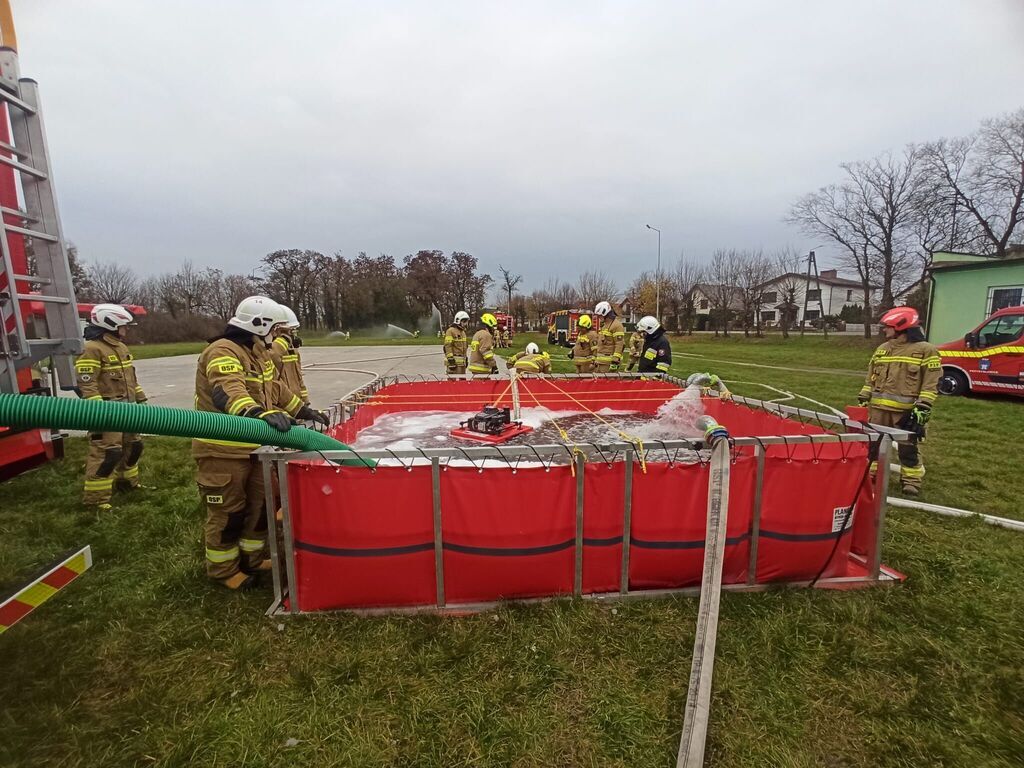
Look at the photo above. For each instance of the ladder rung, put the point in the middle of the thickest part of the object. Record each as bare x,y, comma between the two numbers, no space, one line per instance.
17,212
12,149
14,101
33,279
34,172
28,232
41,297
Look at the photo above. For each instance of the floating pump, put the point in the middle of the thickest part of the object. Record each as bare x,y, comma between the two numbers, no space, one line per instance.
492,425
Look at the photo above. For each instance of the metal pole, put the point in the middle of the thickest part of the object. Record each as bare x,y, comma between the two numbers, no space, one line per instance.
577,585
289,540
275,559
881,490
657,287
627,524
435,480
698,695
515,395
755,522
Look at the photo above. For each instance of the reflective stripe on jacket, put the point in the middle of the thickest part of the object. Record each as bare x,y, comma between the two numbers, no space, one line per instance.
289,366
902,373
105,371
657,354
636,344
526,362
586,346
455,344
481,352
611,341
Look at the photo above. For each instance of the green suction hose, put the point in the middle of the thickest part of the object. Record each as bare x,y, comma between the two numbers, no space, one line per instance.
32,411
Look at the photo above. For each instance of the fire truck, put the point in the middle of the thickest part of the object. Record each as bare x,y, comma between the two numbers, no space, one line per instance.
563,328
988,359
39,328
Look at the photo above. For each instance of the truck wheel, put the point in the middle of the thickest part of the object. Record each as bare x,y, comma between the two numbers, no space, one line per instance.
954,383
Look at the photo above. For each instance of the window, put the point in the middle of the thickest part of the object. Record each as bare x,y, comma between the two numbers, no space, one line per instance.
812,314
849,295
1001,298
814,294
767,317
703,303
771,297
1002,330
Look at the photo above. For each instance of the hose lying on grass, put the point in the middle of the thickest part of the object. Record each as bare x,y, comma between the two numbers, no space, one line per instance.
34,412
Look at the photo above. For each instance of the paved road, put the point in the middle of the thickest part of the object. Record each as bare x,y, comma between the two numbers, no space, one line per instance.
170,381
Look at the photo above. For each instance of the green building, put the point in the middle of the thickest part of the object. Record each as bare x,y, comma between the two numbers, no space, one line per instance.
966,288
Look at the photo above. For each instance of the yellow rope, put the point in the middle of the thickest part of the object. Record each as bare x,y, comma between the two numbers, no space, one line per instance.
562,433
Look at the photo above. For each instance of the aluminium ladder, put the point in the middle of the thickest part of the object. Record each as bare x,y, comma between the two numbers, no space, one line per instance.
47,275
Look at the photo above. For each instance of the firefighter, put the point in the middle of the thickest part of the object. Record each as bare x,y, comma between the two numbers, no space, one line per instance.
656,356
481,349
455,345
612,339
105,372
901,387
586,345
236,375
532,360
284,351
636,346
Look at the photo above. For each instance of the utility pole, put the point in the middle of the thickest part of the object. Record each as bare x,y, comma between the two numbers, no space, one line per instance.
812,262
657,287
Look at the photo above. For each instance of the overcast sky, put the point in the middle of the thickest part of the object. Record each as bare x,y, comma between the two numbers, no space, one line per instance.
539,135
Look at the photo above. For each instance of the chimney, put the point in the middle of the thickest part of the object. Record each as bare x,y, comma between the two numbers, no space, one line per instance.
830,274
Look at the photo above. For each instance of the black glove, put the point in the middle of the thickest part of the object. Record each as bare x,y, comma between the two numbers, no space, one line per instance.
450,361
572,353
277,419
308,414
296,341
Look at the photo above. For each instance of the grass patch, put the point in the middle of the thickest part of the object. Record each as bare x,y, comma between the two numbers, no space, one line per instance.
141,662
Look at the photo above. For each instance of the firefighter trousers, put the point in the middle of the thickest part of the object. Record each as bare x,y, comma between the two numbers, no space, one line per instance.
585,366
911,462
236,514
455,370
111,456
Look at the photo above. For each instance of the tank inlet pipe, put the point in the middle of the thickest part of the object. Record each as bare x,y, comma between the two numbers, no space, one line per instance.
1002,522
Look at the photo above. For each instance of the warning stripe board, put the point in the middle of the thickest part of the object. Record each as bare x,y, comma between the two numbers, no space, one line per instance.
25,599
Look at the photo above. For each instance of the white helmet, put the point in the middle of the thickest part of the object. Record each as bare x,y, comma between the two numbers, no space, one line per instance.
532,349
290,320
461,318
648,324
603,309
110,316
257,314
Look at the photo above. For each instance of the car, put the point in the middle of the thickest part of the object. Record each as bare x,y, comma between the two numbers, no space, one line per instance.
988,359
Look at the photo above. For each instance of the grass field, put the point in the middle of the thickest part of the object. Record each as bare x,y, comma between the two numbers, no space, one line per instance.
142,662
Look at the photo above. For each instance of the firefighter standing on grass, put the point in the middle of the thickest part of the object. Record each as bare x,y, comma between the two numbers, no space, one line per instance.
284,351
636,347
586,345
530,360
901,388
456,344
236,375
612,339
105,372
481,349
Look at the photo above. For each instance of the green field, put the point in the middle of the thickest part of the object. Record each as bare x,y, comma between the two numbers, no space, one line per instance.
142,662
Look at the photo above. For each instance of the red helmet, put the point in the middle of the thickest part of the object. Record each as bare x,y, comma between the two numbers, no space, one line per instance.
900,318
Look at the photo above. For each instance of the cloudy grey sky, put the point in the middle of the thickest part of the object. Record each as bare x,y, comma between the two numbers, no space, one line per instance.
542,135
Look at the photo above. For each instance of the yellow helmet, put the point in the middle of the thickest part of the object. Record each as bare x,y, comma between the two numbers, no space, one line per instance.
585,322
489,320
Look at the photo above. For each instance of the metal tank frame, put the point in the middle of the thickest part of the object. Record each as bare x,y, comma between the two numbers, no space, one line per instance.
274,466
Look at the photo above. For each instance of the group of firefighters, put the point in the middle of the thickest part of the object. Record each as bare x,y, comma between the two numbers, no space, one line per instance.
595,351
253,369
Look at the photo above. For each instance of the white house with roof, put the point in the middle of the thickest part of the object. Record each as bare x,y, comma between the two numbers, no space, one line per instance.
826,294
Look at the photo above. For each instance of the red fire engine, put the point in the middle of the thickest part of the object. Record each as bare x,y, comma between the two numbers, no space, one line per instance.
562,325
988,359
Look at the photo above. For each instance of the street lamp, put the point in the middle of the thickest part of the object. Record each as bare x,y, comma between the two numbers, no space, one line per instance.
657,289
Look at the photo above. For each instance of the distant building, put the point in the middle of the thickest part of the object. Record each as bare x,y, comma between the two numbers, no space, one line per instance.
966,288
706,296
828,292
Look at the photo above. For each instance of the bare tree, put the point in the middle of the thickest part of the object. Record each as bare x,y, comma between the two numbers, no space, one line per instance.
788,282
685,277
593,287
753,271
984,175
113,282
509,283
721,288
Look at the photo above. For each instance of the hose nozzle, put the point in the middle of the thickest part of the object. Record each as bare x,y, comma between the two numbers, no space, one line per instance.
713,431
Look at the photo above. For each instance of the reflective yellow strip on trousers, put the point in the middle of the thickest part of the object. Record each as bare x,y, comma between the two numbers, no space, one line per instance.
886,403
250,545
131,472
99,485
221,555
228,443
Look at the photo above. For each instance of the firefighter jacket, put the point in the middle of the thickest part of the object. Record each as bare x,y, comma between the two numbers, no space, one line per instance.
586,346
612,339
481,353
525,362
105,370
636,344
455,344
657,353
236,375
289,366
902,372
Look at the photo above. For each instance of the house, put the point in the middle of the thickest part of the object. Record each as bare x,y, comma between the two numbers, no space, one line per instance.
966,288
707,296
826,294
